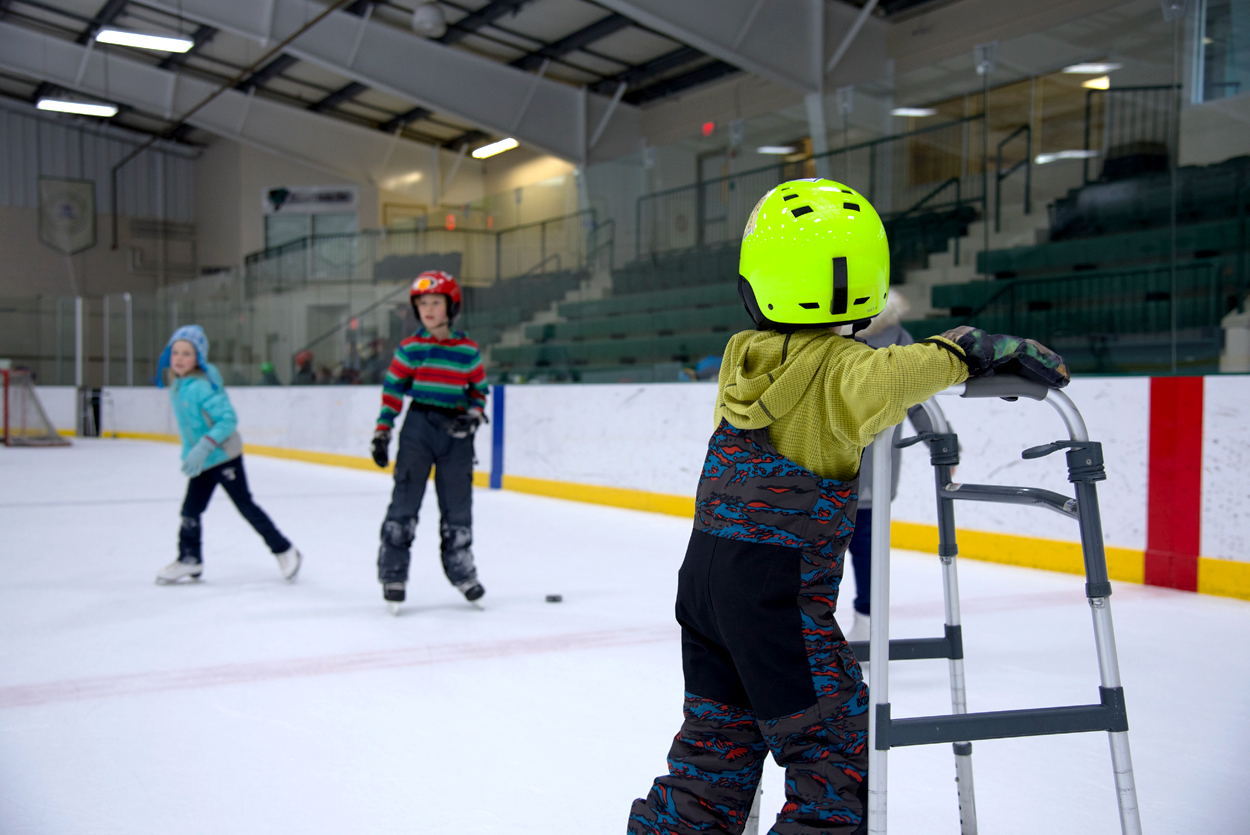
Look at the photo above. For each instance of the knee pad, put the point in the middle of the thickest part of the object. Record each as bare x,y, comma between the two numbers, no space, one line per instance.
399,533
456,538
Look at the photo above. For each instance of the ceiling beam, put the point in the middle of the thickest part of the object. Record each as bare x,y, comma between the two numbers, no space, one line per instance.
479,19
598,30
345,93
313,139
406,118
782,41
455,82
635,76
203,34
271,70
107,14
709,72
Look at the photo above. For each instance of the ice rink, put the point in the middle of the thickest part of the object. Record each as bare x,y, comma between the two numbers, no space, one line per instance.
243,704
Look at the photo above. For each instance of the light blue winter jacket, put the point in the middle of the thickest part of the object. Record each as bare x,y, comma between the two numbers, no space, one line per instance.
202,408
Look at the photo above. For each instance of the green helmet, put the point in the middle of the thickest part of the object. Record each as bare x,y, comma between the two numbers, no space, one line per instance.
814,254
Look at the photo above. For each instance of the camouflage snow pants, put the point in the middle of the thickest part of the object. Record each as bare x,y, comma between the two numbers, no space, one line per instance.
766,666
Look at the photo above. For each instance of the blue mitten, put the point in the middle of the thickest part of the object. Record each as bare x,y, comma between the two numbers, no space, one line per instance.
193,464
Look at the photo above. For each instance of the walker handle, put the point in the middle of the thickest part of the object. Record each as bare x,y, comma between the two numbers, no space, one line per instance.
1005,386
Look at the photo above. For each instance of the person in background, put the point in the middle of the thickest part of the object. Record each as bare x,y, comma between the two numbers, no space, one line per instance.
268,377
212,454
883,331
376,362
304,374
442,371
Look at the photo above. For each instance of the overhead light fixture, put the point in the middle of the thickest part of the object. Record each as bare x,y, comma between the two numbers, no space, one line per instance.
160,43
82,108
1092,68
918,112
1100,83
495,148
776,150
1042,159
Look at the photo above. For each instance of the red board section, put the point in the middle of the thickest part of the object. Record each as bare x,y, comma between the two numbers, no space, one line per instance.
1174,493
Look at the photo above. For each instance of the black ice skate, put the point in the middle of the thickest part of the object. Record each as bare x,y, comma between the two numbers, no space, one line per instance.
472,591
393,594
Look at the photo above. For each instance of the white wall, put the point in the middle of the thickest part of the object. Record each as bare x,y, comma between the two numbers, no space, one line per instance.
653,438
335,419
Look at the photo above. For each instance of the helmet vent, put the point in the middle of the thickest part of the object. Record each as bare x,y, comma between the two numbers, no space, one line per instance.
801,210
840,281
864,299
852,206
789,197
809,305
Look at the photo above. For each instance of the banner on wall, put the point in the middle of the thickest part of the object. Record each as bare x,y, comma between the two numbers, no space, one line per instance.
67,214
310,200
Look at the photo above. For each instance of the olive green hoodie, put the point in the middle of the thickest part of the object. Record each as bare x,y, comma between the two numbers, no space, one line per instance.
823,396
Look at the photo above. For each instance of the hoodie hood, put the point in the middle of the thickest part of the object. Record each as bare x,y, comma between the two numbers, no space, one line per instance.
765,373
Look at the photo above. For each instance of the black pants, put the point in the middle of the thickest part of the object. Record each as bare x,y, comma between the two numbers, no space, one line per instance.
424,443
233,480
860,550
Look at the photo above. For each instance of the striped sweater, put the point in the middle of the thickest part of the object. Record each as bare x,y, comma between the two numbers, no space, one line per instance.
439,373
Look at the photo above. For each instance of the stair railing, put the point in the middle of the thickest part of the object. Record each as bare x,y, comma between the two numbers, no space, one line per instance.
999,176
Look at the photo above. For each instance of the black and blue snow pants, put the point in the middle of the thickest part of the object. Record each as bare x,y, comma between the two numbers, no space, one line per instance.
233,480
766,667
425,442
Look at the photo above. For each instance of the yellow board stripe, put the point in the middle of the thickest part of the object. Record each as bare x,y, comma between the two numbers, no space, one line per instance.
1226,578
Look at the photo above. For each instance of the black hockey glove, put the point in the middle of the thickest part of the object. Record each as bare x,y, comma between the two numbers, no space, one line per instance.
993,353
381,447
463,426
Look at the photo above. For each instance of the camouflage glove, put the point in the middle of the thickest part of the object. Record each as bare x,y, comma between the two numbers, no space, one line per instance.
993,353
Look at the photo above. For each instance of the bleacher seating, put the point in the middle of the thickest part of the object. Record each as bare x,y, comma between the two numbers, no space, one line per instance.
489,311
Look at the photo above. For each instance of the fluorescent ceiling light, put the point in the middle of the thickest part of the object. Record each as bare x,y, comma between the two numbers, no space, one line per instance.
160,43
1100,83
495,148
776,150
918,112
1092,69
80,107
1042,159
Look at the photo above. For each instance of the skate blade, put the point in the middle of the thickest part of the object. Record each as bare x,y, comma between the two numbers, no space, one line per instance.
392,607
161,581
476,605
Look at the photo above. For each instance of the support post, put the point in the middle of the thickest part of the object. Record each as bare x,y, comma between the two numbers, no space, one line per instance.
78,334
815,103
105,381
130,340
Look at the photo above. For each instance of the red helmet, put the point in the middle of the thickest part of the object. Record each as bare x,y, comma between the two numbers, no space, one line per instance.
437,281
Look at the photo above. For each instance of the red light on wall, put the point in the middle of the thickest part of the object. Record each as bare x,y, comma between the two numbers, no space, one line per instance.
708,127
451,223
490,221
354,324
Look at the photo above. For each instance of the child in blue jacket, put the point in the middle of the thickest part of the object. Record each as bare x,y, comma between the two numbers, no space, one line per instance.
212,454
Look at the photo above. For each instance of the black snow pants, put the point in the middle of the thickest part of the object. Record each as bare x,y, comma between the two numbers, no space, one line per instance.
766,667
233,480
424,442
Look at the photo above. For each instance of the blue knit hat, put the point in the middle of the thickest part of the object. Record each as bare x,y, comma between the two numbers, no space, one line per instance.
188,333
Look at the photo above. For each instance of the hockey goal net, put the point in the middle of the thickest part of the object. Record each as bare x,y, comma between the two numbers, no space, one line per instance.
25,421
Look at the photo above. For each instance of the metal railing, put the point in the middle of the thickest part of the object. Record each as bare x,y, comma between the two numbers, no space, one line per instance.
893,171
1145,114
1026,163
476,256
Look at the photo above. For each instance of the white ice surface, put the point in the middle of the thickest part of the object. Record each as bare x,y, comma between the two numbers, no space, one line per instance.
243,704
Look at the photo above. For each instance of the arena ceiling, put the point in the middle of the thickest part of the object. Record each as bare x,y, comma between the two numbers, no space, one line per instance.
365,65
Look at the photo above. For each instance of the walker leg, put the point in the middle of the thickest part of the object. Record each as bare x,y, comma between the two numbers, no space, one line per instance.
879,631
753,819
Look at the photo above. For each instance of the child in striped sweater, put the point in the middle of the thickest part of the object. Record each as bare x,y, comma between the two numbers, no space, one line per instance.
442,371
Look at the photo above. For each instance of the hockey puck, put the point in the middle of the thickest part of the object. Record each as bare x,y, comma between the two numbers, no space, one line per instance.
555,598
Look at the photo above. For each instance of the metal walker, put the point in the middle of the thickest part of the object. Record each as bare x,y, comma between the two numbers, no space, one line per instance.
1085,468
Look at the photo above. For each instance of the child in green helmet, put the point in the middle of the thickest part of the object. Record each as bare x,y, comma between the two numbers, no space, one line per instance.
766,666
